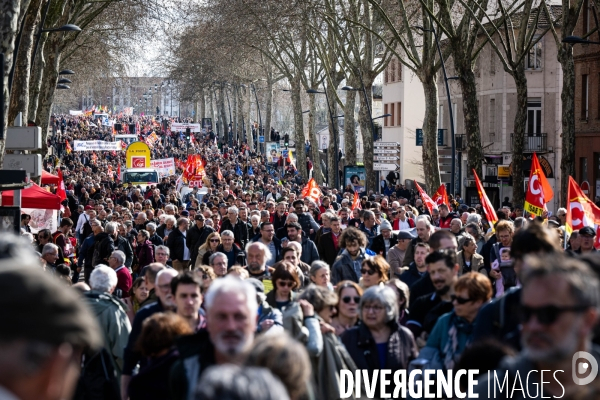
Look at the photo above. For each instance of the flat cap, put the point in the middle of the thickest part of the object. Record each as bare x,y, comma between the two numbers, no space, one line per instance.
585,231
405,235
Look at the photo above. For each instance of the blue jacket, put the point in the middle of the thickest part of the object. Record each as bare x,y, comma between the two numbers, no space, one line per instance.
86,245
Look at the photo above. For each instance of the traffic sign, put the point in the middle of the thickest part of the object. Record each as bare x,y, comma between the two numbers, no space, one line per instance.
385,167
386,144
384,151
386,158
261,139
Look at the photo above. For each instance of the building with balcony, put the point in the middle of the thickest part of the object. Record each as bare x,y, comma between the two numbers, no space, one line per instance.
497,102
587,104
404,100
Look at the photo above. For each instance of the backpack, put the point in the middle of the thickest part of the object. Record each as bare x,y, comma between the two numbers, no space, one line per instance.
98,379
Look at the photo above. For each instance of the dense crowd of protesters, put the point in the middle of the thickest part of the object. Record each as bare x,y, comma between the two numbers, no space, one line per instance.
253,291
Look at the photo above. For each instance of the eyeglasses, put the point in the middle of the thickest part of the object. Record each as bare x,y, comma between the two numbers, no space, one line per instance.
547,315
215,240
286,284
373,308
367,271
347,299
460,300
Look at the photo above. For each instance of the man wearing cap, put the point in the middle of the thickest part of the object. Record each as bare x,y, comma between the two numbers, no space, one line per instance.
45,328
196,236
395,255
587,236
385,240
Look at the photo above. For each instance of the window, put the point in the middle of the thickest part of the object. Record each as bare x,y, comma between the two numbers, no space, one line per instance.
393,112
386,75
441,117
534,58
393,70
399,114
385,111
399,70
492,61
534,116
585,11
584,97
492,116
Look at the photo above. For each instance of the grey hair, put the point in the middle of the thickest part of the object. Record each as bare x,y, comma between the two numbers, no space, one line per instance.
263,247
475,227
474,218
164,248
227,233
234,210
151,226
520,222
368,214
233,382
457,219
111,228
255,218
119,255
297,246
169,207
291,216
383,295
316,266
424,218
49,248
264,213
103,278
170,218
215,255
319,296
231,284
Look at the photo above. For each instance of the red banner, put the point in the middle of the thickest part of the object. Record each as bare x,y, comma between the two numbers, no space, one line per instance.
312,190
539,191
581,211
356,201
488,209
429,203
441,196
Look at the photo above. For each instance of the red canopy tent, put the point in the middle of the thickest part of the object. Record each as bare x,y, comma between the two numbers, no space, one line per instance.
33,197
48,178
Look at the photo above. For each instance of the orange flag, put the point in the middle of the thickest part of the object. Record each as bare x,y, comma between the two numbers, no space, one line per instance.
356,201
312,190
581,211
219,174
539,191
429,203
488,209
68,148
60,190
441,197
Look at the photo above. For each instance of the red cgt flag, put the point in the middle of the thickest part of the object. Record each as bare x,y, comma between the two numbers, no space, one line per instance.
539,191
219,174
581,211
356,201
429,203
312,190
441,196
60,189
119,173
488,209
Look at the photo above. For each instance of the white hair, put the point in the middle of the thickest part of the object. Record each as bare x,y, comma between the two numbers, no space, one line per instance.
170,218
291,216
103,279
49,248
119,255
233,210
475,218
231,284
111,228
562,209
255,218
151,226
263,247
168,271
227,233
296,246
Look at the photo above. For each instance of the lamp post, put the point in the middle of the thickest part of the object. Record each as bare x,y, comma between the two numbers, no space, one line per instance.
450,113
335,138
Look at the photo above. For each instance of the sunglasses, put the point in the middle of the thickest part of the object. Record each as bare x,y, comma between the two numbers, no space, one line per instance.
367,271
459,300
547,315
214,240
347,299
286,284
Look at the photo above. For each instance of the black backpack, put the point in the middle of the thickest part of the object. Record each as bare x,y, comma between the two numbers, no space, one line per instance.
98,379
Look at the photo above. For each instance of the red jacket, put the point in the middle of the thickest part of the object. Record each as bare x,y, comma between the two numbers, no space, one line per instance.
396,223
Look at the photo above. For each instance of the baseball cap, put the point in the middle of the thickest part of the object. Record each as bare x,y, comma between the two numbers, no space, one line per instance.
199,217
88,207
185,213
587,231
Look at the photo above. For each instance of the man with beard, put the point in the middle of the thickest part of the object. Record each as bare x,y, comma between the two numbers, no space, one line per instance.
558,314
258,254
425,310
231,312
278,218
165,303
348,263
423,233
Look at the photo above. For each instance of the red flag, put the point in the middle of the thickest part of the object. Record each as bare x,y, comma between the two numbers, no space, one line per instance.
312,190
489,211
68,147
539,191
356,201
430,204
581,211
60,190
119,173
219,174
441,197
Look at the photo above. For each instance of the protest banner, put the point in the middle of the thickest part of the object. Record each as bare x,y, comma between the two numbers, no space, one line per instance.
96,145
177,127
164,166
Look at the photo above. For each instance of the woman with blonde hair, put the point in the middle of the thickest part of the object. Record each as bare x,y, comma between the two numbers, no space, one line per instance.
213,240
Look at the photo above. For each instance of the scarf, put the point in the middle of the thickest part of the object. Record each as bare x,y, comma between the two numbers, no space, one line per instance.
457,325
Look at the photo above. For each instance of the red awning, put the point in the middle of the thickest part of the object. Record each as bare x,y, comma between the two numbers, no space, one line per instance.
48,178
33,197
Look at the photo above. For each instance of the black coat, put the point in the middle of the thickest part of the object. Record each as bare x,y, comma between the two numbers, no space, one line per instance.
196,238
241,234
378,245
103,248
176,245
327,251
411,276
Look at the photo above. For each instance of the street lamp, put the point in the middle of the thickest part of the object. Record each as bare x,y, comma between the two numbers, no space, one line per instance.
335,138
577,40
450,113
66,72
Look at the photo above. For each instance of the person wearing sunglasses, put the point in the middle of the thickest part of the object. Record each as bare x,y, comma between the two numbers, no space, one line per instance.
285,279
374,271
349,294
453,331
209,247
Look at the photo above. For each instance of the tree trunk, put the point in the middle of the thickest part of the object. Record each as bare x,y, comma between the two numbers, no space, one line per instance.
234,116
202,107
36,82
269,106
364,120
48,87
211,109
19,97
240,114
334,132
196,111
314,141
518,139
224,124
471,116
567,162
249,136
431,166
298,127
350,126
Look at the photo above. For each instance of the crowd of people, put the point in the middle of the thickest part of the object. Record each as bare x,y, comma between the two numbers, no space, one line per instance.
252,291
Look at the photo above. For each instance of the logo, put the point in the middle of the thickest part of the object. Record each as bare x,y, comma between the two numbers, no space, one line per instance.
138,162
583,364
